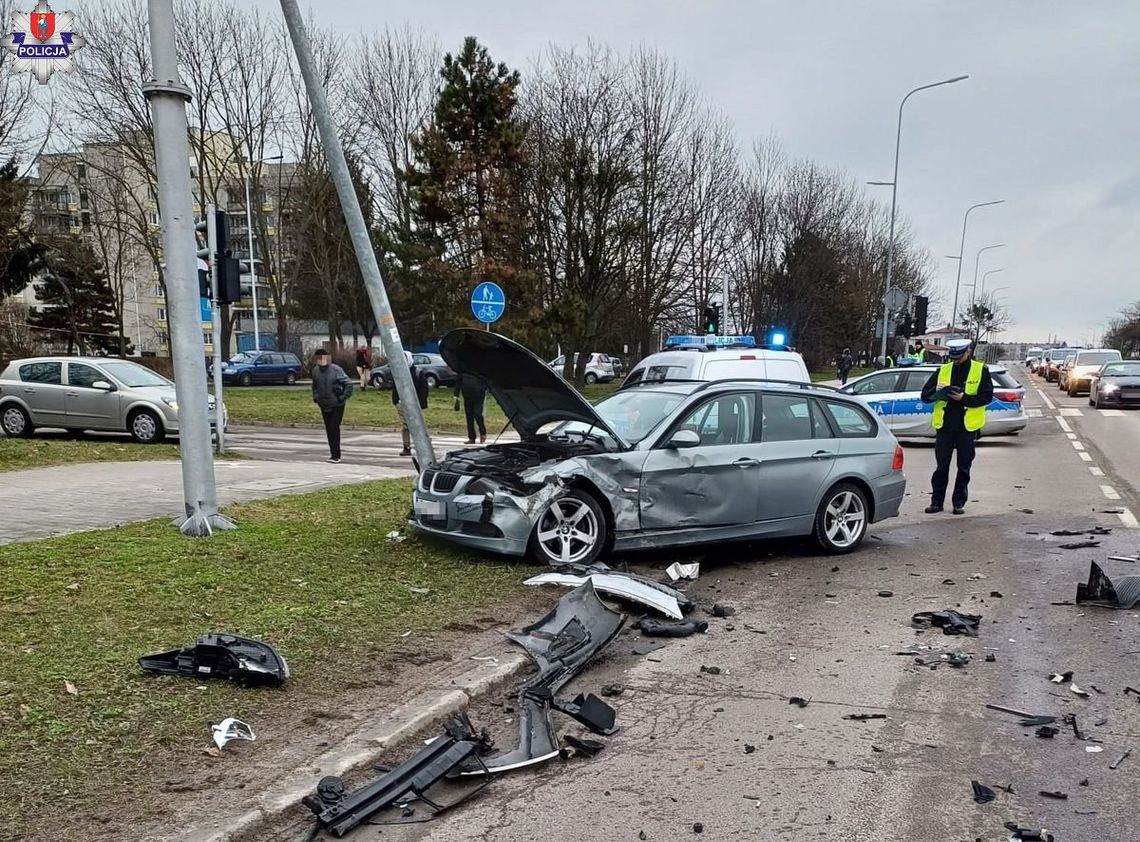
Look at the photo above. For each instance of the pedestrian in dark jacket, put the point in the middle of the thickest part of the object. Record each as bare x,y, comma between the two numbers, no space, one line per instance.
846,363
421,392
474,392
331,390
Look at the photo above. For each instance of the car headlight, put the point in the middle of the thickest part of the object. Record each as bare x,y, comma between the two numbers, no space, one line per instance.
1109,387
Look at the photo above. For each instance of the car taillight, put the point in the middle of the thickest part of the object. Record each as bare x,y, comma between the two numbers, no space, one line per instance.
897,462
1008,397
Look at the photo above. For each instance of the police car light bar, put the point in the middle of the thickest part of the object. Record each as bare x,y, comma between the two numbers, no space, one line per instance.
709,341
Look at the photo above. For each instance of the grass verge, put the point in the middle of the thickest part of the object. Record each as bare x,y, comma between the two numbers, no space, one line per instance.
18,454
825,374
312,574
365,409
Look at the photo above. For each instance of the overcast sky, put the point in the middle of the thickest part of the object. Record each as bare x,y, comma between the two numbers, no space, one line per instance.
1049,119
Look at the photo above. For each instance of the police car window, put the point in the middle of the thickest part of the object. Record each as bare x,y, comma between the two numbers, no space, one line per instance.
1003,379
786,418
914,381
659,373
849,420
51,373
877,384
723,420
819,425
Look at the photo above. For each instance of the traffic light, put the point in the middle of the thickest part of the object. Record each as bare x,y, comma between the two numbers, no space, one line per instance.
711,321
218,255
205,253
921,303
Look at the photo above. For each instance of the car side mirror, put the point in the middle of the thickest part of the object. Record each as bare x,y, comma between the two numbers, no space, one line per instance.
683,439
104,386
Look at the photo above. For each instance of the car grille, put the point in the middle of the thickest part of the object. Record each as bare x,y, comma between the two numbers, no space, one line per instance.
439,482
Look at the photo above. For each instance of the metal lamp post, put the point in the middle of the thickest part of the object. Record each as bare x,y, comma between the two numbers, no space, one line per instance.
962,253
977,263
985,275
252,265
894,197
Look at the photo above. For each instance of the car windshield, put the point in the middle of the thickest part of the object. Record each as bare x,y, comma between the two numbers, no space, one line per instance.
243,357
632,415
1097,357
134,375
1130,369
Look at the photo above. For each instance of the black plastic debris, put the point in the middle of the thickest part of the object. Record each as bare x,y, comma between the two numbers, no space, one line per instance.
1123,592
1055,794
584,746
590,711
672,628
611,690
1072,533
698,828
982,793
1047,732
950,621
1084,782
1033,721
723,611
1027,834
798,702
863,717
1116,763
710,670
1079,545
996,594
1061,677
749,749
886,593
991,658
216,655
1131,690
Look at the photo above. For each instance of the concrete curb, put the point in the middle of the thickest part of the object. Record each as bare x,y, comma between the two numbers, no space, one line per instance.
363,748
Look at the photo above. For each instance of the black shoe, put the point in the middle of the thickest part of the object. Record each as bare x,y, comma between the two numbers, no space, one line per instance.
959,510
405,452
932,509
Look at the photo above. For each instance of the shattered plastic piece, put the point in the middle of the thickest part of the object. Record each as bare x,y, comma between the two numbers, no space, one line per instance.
796,700
886,593
1094,749
232,729
591,712
710,670
982,793
723,611
672,628
1079,545
611,690
1070,533
1116,763
863,717
749,749
1084,782
1112,593
660,598
950,621
395,535
1078,691
1047,732
1132,559
677,571
1027,834
991,658
242,659
1031,721
584,746
1057,794
1061,677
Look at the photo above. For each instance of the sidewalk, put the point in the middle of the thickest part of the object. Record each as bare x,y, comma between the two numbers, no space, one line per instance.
71,498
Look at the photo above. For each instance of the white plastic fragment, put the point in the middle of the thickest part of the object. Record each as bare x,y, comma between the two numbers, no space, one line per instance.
395,535
1093,749
232,729
676,570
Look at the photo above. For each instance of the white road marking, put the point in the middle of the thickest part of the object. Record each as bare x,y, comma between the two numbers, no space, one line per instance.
1077,445
1064,424
1110,492
1128,519
1035,413
1096,472
1071,412
1045,398
1112,413
1072,436
1086,456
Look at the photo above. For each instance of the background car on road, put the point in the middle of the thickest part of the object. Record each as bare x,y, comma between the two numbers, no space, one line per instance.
1051,368
89,393
656,464
1116,384
896,395
718,358
250,367
1079,371
434,370
599,367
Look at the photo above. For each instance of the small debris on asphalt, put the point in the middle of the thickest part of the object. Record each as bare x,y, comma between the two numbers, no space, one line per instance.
723,611
835,569
583,746
990,658
1084,782
863,717
886,593
1131,559
1027,834
950,621
1057,794
677,571
748,749
796,700
1047,732
698,828
982,793
1094,749
611,690
1070,533
956,659
877,749
1026,511
672,628
1079,545
642,836
710,670
1077,691
996,594
1116,763
1061,677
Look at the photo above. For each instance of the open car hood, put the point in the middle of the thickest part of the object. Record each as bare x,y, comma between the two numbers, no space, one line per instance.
530,392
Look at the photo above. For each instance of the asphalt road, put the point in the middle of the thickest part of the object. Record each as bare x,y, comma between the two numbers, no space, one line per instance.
729,752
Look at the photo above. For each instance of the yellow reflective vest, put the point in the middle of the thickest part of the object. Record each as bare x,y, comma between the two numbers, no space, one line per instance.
975,415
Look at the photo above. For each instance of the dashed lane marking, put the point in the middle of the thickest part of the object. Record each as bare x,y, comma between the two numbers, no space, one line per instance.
1071,412
1085,455
1110,492
1128,519
1072,436
1035,413
1112,413
1064,424
1077,445
1045,398
1095,471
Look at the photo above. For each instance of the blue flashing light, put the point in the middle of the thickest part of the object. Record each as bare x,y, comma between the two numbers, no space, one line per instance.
777,337
683,342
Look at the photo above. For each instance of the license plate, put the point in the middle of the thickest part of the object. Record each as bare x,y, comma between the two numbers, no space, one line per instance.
429,508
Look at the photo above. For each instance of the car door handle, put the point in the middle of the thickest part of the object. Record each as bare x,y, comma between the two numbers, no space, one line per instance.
823,454
746,462
29,391
73,394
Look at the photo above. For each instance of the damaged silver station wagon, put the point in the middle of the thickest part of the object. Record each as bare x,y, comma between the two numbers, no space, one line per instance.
657,464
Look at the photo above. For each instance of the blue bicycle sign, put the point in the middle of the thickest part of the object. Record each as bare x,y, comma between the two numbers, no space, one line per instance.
488,302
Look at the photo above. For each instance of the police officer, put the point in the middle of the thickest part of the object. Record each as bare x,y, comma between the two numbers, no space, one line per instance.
960,390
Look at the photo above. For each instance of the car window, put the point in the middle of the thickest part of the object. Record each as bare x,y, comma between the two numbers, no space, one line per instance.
134,375
913,381
659,373
877,384
281,359
820,428
558,362
1122,370
83,375
1097,357
1005,380
851,421
727,419
786,418
422,359
42,373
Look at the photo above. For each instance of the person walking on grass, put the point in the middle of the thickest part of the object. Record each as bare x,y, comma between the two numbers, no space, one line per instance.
331,390
364,365
421,392
474,392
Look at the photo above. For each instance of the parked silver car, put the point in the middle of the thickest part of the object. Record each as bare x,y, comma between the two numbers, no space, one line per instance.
89,393
656,464
599,367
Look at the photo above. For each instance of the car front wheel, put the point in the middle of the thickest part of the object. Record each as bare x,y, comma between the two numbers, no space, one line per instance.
290,378
16,422
146,428
572,530
841,521
246,379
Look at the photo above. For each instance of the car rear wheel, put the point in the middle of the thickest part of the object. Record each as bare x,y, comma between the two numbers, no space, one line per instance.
431,380
290,378
146,428
841,521
572,530
16,422
246,379
591,378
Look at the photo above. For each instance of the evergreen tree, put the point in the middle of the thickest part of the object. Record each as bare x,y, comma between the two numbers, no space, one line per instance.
20,255
76,301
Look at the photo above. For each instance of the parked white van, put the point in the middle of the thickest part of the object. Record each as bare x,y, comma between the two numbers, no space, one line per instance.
706,358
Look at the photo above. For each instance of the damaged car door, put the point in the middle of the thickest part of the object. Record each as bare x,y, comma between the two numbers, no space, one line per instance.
705,470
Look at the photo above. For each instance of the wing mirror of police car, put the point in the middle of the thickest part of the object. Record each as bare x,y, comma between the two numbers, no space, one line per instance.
683,439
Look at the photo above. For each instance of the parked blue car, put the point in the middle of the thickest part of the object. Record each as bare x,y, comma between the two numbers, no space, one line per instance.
251,367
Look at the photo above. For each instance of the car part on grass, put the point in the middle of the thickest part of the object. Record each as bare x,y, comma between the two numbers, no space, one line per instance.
1123,592
1079,545
982,793
560,644
674,628
339,811
586,747
677,571
627,586
950,621
231,729
1027,834
241,659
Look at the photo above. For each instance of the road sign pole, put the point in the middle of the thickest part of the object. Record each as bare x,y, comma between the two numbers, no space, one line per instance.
215,312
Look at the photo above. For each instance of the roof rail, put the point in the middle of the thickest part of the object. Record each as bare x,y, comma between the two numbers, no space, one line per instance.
707,384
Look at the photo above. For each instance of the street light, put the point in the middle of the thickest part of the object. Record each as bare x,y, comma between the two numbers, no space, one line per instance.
894,199
962,252
985,275
252,265
977,262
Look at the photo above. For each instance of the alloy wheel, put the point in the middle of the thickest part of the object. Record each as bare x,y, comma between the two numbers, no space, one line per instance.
845,519
568,531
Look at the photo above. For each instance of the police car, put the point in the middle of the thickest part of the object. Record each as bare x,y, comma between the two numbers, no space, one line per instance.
896,395
704,358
